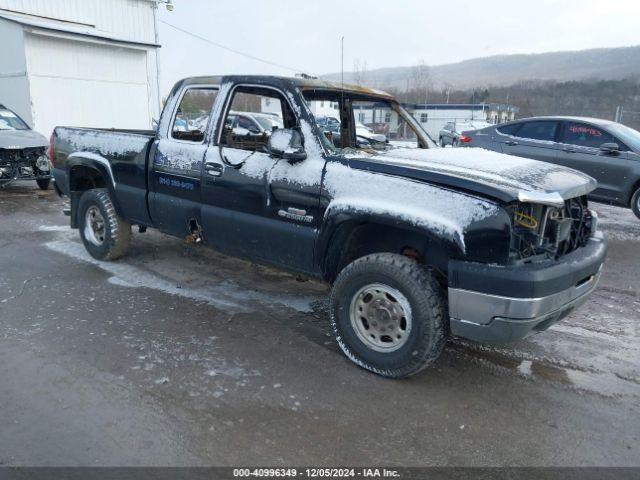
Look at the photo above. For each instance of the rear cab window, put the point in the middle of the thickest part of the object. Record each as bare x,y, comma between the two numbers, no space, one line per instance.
587,136
191,118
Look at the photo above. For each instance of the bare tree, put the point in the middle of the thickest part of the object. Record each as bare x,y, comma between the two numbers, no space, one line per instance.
359,72
420,79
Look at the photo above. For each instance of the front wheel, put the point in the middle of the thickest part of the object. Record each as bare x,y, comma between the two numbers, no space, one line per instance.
635,203
43,183
105,235
388,314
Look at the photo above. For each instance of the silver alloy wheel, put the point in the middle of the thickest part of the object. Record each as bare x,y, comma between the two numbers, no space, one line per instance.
381,317
94,226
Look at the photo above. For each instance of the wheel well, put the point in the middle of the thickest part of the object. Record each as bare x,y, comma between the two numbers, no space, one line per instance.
353,240
635,187
83,178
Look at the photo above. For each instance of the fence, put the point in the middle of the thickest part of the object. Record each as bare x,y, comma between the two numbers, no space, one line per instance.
629,118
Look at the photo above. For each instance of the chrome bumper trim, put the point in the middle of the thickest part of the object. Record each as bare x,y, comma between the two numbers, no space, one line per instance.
481,308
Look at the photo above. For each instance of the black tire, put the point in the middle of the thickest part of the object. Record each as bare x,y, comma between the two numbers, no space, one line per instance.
635,203
43,183
441,142
116,232
428,309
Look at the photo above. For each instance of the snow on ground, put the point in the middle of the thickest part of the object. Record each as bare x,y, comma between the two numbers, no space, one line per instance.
225,295
596,349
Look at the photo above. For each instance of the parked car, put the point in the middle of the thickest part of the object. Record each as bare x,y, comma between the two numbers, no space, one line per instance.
332,125
22,151
607,151
417,243
451,133
368,133
252,124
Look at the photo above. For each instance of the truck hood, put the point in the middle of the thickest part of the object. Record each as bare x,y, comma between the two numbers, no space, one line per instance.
18,139
496,175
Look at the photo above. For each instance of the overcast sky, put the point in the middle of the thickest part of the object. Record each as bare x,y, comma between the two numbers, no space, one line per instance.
305,34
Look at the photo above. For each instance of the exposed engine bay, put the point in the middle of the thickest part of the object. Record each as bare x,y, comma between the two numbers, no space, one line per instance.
23,151
27,163
541,232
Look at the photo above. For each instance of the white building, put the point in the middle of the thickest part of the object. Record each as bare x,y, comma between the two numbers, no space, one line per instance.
86,63
319,108
433,116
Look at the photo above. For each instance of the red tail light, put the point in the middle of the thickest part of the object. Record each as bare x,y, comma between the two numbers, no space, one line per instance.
51,139
465,139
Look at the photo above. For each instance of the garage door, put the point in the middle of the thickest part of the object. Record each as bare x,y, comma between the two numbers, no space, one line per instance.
76,83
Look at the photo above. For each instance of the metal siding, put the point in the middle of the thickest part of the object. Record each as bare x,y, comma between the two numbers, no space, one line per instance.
14,85
77,83
130,19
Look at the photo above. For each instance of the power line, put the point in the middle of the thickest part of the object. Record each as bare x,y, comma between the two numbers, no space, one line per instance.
237,52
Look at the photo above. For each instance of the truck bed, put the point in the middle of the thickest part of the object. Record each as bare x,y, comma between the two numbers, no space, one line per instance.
122,153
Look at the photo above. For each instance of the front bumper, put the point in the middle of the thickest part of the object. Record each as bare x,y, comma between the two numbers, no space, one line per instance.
500,304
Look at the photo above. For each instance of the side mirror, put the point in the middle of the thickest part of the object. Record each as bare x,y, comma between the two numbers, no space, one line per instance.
610,148
286,143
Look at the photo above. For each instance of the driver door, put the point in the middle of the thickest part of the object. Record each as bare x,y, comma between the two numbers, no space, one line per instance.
245,190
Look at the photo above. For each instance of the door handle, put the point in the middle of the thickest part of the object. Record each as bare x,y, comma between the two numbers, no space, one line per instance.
214,169
568,150
511,143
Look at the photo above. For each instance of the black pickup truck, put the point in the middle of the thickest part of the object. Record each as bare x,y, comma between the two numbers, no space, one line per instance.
418,242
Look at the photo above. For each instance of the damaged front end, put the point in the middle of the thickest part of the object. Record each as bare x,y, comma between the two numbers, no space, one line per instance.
24,163
540,232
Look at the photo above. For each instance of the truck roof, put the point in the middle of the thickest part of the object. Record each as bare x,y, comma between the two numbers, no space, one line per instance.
301,82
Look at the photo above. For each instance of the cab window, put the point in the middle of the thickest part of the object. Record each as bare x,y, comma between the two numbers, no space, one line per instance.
585,135
192,116
253,115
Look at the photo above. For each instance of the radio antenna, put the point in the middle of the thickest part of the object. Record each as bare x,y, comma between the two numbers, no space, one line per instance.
342,62
342,108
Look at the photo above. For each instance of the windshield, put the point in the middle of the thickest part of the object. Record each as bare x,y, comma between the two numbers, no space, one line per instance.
10,121
374,123
629,136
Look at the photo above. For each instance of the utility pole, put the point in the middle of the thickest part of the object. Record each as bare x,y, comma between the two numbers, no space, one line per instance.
169,6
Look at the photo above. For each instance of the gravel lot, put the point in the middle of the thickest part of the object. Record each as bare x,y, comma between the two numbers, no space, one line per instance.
177,355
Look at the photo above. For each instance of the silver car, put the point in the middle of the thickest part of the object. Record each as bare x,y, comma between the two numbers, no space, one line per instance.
606,150
22,151
451,133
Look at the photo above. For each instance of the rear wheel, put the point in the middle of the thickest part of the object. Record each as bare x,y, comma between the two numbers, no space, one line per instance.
388,314
43,183
635,203
441,142
105,235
